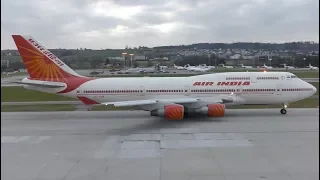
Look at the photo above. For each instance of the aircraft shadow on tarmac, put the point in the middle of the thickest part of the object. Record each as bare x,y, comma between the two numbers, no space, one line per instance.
141,122
152,124
229,113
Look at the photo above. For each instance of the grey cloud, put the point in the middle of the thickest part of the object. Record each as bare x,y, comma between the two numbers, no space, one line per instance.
152,19
64,24
138,2
261,22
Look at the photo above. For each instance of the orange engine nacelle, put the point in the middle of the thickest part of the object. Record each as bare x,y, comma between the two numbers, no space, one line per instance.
170,112
216,110
213,110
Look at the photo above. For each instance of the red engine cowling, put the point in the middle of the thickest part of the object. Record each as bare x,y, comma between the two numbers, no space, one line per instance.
213,110
170,112
216,110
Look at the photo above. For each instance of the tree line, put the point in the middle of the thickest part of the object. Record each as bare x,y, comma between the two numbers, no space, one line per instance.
298,61
293,46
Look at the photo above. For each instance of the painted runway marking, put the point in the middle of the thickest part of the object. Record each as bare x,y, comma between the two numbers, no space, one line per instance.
24,139
151,145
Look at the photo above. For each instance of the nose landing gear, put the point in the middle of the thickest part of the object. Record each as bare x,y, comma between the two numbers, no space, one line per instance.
283,110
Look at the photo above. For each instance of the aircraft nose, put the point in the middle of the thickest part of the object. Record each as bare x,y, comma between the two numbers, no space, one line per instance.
314,89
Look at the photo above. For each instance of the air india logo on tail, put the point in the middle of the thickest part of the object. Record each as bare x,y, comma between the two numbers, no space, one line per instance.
39,67
45,52
42,65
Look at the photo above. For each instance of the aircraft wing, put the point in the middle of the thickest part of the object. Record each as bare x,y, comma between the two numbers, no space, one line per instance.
151,101
195,102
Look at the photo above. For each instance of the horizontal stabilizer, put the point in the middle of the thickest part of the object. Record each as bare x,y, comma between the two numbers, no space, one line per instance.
44,84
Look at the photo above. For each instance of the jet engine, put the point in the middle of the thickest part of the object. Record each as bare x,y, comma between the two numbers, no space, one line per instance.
170,112
212,110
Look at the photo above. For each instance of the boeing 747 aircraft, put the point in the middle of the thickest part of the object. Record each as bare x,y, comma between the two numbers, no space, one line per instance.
173,98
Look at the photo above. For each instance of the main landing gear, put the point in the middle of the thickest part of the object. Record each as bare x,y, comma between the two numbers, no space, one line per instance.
283,110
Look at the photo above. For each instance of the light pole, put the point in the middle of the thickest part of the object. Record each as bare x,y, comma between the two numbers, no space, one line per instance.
215,60
270,59
124,60
131,55
293,61
304,62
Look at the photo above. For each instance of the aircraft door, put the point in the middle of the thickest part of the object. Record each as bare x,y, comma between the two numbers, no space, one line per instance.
239,90
238,93
187,90
142,91
253,77
279,89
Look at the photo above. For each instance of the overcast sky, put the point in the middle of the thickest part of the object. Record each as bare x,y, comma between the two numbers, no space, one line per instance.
116,23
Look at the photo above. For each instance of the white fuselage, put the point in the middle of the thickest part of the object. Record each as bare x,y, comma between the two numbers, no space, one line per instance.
246,67
288,67
227,67
201,69
312,67
263,88
179,67
266,67
190,68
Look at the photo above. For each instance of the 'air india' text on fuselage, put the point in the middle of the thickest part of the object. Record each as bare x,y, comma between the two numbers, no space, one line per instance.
234,83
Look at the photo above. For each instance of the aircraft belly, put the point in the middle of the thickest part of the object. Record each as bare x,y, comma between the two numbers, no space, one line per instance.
258,98
114,98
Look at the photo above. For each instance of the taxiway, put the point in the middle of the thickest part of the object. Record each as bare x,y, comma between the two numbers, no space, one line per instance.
243,145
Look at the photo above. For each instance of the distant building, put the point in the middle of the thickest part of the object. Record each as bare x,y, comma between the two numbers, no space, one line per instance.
139,57
248,57
116,58
236,56
160,59
5,63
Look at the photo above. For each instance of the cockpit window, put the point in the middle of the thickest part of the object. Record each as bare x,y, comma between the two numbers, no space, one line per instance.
293,76
288,77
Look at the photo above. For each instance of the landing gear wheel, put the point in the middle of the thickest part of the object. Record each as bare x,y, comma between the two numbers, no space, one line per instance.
283,111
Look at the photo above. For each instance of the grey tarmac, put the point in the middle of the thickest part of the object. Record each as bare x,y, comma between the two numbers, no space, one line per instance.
75,102
243,145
